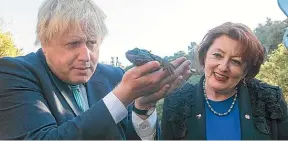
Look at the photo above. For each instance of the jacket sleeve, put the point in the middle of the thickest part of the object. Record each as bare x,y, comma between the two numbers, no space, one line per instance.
24,112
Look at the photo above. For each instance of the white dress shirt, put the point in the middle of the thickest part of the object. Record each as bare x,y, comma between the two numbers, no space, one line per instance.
146,129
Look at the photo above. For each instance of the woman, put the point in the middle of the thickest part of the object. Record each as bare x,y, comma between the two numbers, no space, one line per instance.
228,102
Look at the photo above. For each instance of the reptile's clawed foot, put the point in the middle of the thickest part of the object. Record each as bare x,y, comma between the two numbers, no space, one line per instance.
170,68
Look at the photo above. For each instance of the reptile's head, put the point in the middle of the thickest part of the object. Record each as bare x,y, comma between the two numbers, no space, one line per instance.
138,56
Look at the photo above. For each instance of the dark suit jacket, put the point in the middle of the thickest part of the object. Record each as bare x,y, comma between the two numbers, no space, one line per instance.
34,104
264,104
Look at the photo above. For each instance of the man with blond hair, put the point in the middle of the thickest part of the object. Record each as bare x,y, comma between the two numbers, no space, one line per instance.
62,92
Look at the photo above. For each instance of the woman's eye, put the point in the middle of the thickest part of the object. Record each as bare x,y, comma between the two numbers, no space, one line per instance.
217,55
236,62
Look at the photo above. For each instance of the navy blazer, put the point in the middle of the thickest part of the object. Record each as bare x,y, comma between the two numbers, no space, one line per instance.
35,104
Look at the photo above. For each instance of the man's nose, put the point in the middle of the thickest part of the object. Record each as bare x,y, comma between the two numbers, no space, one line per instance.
84,53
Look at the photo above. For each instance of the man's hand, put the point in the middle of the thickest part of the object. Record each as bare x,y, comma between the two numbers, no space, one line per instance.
169,84
144,80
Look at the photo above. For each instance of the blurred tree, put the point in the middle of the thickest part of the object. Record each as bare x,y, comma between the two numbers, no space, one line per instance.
176,55
117,61
271,33
7,47
128,67
112,61
193,57
275,70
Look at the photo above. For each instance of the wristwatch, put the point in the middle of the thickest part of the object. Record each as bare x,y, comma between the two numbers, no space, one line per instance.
144,112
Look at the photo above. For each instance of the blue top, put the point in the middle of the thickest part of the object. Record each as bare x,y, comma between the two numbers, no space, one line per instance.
223,127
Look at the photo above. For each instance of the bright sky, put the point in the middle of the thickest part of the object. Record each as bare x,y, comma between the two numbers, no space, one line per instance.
163,26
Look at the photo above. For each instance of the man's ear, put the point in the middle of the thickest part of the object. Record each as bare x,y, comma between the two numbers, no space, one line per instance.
44,47
43,50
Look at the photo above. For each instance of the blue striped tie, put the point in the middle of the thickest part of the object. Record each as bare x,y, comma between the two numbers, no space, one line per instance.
77,95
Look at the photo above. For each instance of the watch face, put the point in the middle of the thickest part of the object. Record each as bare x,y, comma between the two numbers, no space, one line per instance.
150,111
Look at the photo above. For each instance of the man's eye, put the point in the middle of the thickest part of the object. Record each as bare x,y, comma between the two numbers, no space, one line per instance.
91,42
73,44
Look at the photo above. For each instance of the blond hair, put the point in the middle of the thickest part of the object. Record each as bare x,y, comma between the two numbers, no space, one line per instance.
55,17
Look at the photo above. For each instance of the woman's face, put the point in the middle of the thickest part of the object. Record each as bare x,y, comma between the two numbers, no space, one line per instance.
224,67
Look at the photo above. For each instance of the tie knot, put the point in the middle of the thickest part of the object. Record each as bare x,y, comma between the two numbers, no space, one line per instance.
74,87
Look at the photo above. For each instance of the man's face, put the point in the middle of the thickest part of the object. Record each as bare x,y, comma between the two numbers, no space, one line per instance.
73,56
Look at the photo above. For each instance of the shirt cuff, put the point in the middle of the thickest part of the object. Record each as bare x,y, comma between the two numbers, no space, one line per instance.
115,107
146,129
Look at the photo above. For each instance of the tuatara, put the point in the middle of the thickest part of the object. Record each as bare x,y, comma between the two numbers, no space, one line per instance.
139,57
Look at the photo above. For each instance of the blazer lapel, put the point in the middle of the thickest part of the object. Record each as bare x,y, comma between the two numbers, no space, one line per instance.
97,87
246,118
60,86
196,123
67,94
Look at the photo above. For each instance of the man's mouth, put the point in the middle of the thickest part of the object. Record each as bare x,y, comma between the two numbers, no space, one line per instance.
82,68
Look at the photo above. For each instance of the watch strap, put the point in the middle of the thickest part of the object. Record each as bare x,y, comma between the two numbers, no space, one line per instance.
141,112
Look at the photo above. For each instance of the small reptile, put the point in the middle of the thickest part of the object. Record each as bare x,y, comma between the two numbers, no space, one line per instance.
139,57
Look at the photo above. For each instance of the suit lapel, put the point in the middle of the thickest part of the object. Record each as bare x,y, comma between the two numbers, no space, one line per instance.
67,94
246,118
60,86
196,123
97,87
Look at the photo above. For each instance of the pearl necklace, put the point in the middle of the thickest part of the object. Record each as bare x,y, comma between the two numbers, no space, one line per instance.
210,107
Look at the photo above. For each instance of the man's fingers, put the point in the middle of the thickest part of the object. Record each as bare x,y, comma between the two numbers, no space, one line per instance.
177,62
142,70
153,98
186,75
176,84
179,71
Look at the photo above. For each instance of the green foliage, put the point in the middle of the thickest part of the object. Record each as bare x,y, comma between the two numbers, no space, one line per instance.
194,79
275,70
176,55
159,108
271,33
7,47
129,67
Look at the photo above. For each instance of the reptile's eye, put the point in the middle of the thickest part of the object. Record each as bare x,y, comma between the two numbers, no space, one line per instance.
136,50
